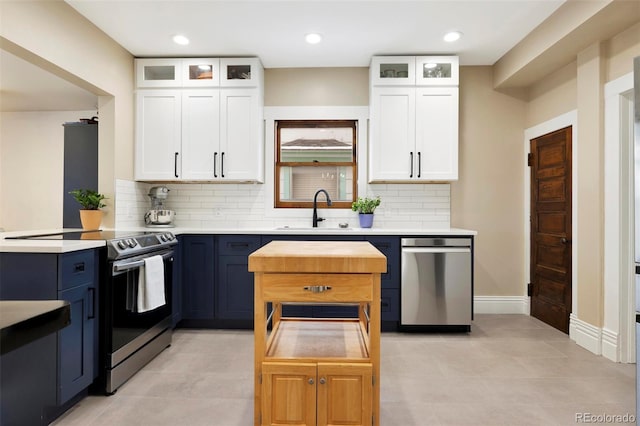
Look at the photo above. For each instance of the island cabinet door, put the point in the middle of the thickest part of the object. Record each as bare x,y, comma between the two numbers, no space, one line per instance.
344,394
288,394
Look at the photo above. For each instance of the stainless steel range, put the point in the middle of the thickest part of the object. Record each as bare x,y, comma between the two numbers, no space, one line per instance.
130,338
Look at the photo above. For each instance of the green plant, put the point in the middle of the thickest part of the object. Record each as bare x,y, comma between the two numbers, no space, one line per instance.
365,205
88,198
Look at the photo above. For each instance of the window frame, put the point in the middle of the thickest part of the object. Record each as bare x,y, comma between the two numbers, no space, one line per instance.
278,164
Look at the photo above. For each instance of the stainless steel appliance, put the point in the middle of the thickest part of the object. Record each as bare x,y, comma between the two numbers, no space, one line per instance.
130,339
158,215
436,289
636,125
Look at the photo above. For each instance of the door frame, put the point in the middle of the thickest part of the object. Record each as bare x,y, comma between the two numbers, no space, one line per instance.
618,340
557,123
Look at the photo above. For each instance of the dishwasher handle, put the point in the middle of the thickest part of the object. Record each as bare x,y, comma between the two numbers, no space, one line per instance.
436,249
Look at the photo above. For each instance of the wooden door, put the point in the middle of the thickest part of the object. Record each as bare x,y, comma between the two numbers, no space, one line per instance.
288,394
550,162
344,394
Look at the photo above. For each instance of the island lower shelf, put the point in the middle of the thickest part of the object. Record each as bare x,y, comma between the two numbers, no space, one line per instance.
318,340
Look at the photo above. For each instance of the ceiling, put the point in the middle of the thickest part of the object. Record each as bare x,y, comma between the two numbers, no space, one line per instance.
274,30
352,31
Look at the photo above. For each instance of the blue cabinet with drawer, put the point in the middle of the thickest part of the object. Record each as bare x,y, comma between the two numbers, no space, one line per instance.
234,282
72,277
198,274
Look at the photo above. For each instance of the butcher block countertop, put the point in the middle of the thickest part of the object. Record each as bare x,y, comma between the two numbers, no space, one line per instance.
318,257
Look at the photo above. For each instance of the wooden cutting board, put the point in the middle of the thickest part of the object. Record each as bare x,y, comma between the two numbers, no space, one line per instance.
318,257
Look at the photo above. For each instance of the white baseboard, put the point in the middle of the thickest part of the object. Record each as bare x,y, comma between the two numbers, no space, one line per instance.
586,335
610,345
501,305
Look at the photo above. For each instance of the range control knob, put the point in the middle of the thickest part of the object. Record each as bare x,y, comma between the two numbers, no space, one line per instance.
169,236
163,237
122,245
131,243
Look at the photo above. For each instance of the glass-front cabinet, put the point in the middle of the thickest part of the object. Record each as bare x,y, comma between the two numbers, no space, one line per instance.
393,70
437,71
240,72
158,72
201,72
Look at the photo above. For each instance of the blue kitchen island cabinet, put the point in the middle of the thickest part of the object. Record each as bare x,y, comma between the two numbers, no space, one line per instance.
72,277
198,275
234,298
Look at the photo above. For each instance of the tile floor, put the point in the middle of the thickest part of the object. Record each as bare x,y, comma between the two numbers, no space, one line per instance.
510,370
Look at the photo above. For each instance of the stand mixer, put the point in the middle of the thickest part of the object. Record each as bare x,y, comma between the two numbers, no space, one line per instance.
158,216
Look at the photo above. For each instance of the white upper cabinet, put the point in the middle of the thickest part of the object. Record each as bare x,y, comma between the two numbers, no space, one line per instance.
172,72
158,134
241,72
437,71
201,72
199,131
158,72
393,71
414,128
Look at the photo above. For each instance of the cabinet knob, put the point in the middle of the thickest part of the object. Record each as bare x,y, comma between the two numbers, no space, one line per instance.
310,381
322,380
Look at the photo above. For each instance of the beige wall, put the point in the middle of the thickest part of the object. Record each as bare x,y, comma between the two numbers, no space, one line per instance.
316,86
580,86
488,196
55,37
31,168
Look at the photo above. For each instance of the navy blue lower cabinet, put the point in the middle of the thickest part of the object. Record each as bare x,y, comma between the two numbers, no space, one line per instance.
234,284
198,276
75,363
72,277
176,290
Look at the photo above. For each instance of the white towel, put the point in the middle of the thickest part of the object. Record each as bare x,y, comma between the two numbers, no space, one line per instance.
151,284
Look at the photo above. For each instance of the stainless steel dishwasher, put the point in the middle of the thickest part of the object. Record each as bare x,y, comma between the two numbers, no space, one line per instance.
436,289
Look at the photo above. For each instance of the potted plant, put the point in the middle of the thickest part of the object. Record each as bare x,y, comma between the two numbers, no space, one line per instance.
91,202
365,207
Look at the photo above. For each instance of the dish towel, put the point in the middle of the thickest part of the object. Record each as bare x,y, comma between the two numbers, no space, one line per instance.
151,284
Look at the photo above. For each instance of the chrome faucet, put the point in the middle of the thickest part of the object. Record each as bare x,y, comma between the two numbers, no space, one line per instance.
317,219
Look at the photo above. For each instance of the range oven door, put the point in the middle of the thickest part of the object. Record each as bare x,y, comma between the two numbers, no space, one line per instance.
126,331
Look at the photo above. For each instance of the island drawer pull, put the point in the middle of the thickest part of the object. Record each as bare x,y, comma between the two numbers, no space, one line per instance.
317,288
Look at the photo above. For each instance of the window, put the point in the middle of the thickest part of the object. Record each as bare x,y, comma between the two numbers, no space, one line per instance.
313,155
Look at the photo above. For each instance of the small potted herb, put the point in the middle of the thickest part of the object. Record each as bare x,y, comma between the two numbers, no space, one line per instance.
365,207
91,202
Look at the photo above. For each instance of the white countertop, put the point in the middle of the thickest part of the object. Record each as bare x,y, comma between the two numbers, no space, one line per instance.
64,246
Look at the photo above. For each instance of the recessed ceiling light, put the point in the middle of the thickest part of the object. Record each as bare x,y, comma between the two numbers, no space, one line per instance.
180,39
313,38
430,65
452,36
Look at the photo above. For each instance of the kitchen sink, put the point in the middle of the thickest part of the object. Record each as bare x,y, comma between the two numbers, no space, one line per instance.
310,228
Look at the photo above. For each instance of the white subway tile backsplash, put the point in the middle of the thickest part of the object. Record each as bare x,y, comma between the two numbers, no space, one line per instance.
203,205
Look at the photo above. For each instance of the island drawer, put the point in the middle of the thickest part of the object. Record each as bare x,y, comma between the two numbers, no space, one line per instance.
326,288
76,268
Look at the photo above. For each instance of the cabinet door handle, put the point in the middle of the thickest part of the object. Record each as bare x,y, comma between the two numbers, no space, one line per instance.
310,381
239,245
222,165
323,380
317,288
175,164
78,267
419,163
215,161
92,303
411,162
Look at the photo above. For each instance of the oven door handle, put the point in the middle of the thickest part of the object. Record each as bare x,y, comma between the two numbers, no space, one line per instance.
125,266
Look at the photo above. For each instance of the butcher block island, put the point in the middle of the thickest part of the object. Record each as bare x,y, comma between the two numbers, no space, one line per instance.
317,371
